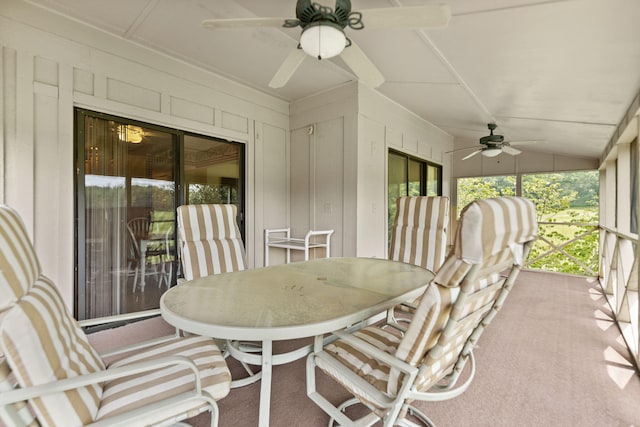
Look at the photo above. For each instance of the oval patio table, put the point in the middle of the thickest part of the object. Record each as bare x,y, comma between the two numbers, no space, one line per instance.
298,300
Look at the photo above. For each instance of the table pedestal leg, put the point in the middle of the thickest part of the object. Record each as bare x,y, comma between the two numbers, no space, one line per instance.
265,385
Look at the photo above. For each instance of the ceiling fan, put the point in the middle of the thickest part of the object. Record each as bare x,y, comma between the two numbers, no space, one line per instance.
492,145
323,34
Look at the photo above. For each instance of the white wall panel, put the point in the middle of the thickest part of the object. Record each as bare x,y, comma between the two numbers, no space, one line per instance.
410,143
54,64
47,186
371,124
300,181
234,122
393,138
372,212
45,71
83,81
133,95
272,189
19,150
328,181
192,111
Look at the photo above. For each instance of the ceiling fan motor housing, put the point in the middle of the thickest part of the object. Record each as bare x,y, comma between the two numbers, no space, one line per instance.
312,13
492,139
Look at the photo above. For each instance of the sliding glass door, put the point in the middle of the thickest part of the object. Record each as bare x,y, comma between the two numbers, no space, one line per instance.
410,176
213,172
128,185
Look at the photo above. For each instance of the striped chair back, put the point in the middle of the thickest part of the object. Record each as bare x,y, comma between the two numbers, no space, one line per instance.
210,240
39,339
19,269
494,236
419,234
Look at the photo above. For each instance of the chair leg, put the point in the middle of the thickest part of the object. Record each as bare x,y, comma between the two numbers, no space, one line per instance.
421,416
135,279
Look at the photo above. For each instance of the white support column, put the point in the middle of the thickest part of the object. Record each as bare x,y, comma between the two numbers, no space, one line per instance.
623,190
637,189
610,194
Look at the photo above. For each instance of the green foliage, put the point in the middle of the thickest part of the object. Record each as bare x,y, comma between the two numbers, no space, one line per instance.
206,193
584,249
470,189
548,193
559,197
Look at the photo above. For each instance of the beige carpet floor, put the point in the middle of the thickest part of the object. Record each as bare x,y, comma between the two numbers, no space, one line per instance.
552,357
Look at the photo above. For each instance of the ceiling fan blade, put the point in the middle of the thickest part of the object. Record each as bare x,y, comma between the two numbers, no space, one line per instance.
510,150
362,66
216,24
471,155
460,149
433,16
527,142
288,67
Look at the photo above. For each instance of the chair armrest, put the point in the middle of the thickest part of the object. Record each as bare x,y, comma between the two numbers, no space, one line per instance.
138,346
21,394
376,353
119,318
409,305
124,317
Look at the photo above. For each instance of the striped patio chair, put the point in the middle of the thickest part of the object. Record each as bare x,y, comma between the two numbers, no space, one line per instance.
210,241
50,375
419,234
388,371
418,237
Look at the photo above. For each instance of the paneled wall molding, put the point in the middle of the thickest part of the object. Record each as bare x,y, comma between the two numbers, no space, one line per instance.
45,89
50,64
346,155
53,28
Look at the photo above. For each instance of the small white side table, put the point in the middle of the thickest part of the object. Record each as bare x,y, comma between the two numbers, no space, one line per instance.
283,240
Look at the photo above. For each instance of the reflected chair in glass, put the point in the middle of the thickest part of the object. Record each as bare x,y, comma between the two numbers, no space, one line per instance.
389,371
167,254
50,374
210,242
161,249
140,227
135,260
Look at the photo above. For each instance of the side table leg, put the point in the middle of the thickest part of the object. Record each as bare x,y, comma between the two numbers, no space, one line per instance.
265,385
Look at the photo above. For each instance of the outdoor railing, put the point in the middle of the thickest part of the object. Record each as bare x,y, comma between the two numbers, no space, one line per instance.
619,280
566,247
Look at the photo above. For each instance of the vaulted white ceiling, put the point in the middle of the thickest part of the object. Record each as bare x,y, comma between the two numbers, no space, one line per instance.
561,73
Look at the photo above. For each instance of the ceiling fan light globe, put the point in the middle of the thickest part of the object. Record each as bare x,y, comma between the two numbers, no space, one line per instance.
322,41
491,152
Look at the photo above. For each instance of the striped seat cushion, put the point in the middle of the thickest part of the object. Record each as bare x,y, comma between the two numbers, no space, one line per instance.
419,234
132,392
210,241
43,344
370,369
421,335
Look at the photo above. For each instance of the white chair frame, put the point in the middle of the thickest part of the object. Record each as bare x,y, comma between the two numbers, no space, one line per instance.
23,417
